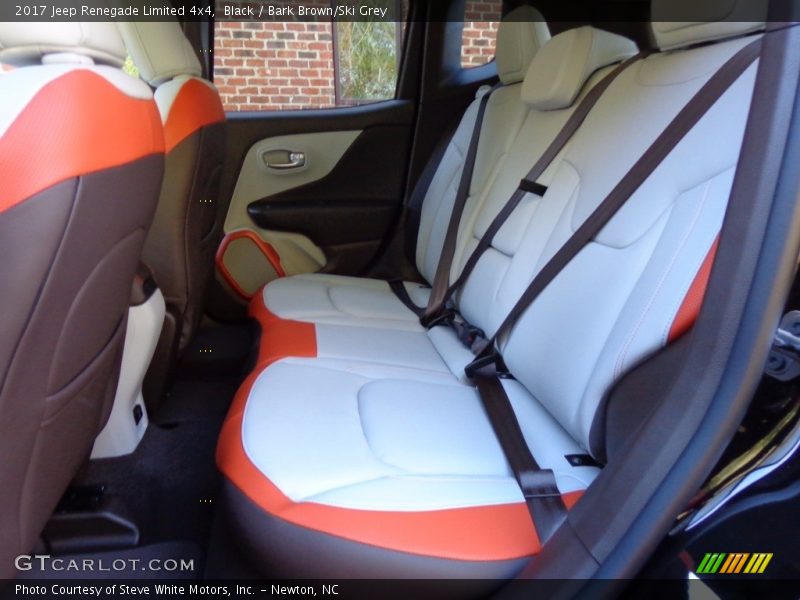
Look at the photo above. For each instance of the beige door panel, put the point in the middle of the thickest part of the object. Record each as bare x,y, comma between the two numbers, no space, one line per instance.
251,257
298,253
248,259
296,161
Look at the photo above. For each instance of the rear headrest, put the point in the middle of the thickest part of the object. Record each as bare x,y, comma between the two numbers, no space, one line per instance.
160,50
520,35
563,65
712,20
83,43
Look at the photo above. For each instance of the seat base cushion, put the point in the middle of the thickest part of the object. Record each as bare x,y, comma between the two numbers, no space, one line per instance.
386,458
340,300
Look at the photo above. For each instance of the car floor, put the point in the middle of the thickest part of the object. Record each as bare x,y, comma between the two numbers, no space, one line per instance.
169,484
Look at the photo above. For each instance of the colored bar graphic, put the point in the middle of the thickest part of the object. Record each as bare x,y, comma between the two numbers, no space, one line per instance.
734,563
711,563
715,567
758,563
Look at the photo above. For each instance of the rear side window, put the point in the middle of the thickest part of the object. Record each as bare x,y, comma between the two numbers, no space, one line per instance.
263,66
479,36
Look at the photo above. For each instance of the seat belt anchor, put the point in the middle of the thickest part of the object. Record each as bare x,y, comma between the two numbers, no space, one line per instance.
491,365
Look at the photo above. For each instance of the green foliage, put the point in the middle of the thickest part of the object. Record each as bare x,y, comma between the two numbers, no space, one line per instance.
367,60
130,68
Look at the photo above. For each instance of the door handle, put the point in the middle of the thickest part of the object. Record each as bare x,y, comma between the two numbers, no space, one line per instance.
284,160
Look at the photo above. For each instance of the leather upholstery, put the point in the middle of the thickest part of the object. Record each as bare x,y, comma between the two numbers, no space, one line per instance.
520,35
98,43
81,158
715,20
357,431
160,50
180,245
559,72
328,298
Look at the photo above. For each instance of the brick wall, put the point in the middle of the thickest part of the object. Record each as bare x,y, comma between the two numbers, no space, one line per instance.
480,32
290,65
274,66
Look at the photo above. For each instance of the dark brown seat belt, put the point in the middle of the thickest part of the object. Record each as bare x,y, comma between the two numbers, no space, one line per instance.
539,485
442,291
449,244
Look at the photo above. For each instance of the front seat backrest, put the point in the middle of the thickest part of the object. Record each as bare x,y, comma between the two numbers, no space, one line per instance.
181,244
81,161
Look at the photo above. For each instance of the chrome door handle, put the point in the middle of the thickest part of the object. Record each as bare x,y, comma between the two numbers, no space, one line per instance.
283,160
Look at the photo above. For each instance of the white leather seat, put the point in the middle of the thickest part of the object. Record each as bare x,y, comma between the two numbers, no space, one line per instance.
363,319
380,461
349,300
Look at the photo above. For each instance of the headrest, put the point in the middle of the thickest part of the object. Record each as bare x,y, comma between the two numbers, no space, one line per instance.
563,65
72,42
520,35
704,20
160,50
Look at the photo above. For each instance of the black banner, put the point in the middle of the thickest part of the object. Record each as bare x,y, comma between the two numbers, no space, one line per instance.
400,589
595,11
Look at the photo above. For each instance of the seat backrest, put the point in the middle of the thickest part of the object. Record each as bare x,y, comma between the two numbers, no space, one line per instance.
81,160
561,74
520,35
181,244
627,294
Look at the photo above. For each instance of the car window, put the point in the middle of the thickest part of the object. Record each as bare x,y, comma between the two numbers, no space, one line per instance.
262,66
479,36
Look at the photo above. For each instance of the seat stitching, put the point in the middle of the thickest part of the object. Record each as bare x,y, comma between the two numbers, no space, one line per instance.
665,273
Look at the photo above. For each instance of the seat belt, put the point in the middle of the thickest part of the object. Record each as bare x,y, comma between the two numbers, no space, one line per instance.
442,291
441,278
539,487
449,244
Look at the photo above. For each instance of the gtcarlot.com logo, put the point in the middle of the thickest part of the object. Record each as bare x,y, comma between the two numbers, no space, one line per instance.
47,563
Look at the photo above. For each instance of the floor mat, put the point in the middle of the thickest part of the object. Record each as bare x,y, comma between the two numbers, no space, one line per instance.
170,482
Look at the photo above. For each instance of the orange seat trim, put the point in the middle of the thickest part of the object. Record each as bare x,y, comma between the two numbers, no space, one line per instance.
484,533
690,308
77,124
197,105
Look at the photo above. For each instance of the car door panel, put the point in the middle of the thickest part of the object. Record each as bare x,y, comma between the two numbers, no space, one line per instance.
321,151
332,210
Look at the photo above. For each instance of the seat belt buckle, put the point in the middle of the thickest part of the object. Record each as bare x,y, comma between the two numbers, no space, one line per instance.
491,365
469,335
442,318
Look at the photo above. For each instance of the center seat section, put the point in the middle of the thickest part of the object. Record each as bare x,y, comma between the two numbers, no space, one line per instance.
351,468
560,76
353,300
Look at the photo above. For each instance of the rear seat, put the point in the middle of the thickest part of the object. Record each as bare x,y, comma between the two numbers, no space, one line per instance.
379,466
350,300
561,74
